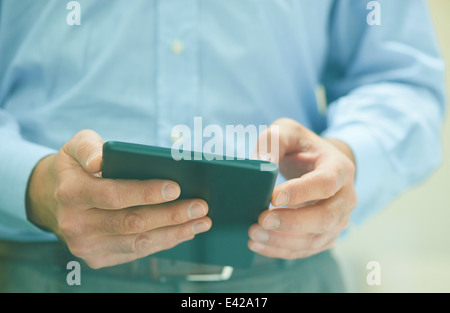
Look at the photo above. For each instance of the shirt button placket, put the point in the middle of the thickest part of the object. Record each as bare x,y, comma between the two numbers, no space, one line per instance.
177,63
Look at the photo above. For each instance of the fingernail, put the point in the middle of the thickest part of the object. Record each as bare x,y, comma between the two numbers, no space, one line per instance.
282,198
200,227
92,156
271,221
260,235
257,247
171,191
196,210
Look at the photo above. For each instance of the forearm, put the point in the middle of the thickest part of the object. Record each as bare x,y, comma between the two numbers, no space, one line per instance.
394,133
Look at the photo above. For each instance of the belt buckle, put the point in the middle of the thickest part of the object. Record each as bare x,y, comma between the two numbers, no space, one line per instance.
224,275
162,275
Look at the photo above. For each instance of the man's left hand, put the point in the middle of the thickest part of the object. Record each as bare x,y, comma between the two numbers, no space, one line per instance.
312,208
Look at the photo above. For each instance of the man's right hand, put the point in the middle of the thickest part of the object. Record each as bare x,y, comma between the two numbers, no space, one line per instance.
105,221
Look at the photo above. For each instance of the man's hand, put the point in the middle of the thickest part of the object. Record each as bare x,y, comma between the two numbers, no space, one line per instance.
104,221
317,197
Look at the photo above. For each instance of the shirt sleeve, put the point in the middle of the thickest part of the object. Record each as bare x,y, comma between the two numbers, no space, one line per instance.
385,84
18,158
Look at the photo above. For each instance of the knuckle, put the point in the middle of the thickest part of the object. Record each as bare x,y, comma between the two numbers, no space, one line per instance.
329,220
67,224
132,222
79,142
63,194
144,245
82,138
329,185
176,216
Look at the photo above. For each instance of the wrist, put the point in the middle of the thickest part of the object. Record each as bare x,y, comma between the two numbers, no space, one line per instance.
37,198
343,147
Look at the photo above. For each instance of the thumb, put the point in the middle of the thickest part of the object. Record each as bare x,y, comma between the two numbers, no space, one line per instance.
284,136
267,146
86,148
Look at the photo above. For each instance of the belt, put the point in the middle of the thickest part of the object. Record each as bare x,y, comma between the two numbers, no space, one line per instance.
153,268
164,270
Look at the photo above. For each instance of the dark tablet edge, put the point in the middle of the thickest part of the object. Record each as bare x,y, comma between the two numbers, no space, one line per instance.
165,152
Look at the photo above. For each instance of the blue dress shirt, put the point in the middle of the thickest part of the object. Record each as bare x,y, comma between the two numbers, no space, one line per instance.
132,70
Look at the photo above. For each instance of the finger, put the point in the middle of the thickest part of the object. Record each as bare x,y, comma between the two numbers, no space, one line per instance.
316,185
276,252
111,258
267,146
319,217
145,218
285,253
285,240
108,260
86,149
307,242
143,244
282,137
295,165
94,192
93,249
118,194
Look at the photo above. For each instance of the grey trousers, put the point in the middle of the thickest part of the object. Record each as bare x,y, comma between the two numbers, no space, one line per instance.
42,267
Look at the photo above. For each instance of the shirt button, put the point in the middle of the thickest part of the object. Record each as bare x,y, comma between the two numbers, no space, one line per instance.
177,47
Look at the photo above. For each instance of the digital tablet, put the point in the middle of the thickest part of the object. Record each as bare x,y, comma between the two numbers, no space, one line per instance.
236,190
